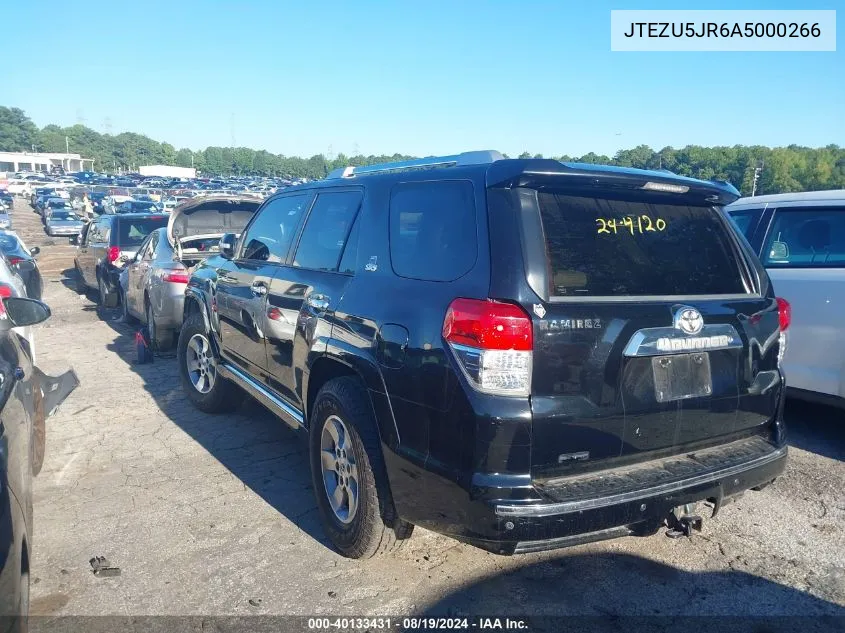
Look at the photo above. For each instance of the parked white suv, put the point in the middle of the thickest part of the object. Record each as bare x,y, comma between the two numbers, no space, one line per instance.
800,238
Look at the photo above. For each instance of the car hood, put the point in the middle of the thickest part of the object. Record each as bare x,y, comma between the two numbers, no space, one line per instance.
211,215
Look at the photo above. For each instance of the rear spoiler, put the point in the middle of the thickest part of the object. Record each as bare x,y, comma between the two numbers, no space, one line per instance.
541,173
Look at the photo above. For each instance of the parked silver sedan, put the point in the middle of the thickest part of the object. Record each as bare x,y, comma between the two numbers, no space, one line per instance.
153,282
63,222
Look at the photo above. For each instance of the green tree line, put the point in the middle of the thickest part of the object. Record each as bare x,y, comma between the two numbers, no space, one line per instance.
784,169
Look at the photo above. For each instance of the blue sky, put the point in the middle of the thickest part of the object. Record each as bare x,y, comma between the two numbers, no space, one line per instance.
422,78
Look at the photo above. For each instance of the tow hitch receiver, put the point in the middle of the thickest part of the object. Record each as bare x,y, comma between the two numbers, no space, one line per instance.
683,521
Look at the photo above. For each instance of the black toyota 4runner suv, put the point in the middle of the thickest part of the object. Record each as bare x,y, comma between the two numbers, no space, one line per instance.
521,354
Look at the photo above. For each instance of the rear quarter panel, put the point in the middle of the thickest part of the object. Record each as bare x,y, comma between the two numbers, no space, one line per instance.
815,353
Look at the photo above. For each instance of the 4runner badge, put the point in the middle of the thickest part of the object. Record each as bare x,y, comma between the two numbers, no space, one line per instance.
372,265
539,310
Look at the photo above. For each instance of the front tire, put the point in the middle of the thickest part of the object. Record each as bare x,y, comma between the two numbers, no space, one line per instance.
205,388
348,473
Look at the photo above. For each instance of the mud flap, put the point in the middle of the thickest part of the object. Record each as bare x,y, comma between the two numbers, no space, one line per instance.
49,392
54,391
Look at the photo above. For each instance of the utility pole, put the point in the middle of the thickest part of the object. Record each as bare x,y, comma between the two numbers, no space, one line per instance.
757,171
67,145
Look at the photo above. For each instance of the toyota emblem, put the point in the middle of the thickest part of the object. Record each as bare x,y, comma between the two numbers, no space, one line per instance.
688,320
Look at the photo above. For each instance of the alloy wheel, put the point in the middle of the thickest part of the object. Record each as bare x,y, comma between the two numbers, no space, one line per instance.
339,470
202,367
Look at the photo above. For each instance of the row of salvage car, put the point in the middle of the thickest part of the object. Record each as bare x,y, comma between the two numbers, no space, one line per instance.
142,262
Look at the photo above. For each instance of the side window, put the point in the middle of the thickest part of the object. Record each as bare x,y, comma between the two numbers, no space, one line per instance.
349,261
269,236
326,230
148,249
433,229
745,220
98,233
806,238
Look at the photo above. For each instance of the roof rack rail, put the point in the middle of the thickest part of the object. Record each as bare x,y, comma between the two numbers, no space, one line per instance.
458,160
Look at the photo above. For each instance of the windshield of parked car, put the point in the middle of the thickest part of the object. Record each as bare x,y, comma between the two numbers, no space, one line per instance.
64,215
133,232
142,206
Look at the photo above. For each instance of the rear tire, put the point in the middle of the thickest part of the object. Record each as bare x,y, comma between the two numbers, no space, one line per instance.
106,299
221,396
161,339
81,286
124,308
345,455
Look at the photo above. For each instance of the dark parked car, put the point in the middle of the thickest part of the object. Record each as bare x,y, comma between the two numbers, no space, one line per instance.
105,245
27,397
22,262
97,201
521,354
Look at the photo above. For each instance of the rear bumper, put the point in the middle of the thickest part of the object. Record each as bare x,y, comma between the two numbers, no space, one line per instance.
171,309
535,527
510,514
64,230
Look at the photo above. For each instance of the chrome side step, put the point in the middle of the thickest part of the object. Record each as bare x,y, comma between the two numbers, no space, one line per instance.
291,415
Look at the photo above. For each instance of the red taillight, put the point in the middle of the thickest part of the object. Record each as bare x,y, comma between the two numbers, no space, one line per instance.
784,314
114,253
488,325
15,260
493,343
5,293
175,277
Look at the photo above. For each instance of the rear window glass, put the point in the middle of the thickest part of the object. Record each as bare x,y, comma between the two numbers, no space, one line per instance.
133,232
806,238
433,229
605,247
8,243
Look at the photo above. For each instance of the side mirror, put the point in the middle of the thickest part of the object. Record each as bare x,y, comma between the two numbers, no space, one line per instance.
23,312
25,266
227,245
34,251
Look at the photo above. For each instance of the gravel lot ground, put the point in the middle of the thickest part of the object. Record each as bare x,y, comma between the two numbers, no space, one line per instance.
215,515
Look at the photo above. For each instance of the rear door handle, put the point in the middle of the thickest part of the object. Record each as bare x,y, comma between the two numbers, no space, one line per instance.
258,288
318,302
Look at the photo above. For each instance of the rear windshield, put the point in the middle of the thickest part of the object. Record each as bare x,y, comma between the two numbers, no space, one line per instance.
606,247
133,232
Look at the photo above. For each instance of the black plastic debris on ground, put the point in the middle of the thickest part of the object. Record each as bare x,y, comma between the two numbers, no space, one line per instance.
102,568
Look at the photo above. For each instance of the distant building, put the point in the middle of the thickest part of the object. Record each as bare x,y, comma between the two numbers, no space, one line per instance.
167,171
43,161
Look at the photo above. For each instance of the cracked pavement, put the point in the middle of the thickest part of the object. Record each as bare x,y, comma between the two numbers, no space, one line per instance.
214,515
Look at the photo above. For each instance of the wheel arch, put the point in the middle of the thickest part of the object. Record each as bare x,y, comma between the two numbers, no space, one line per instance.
327,366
